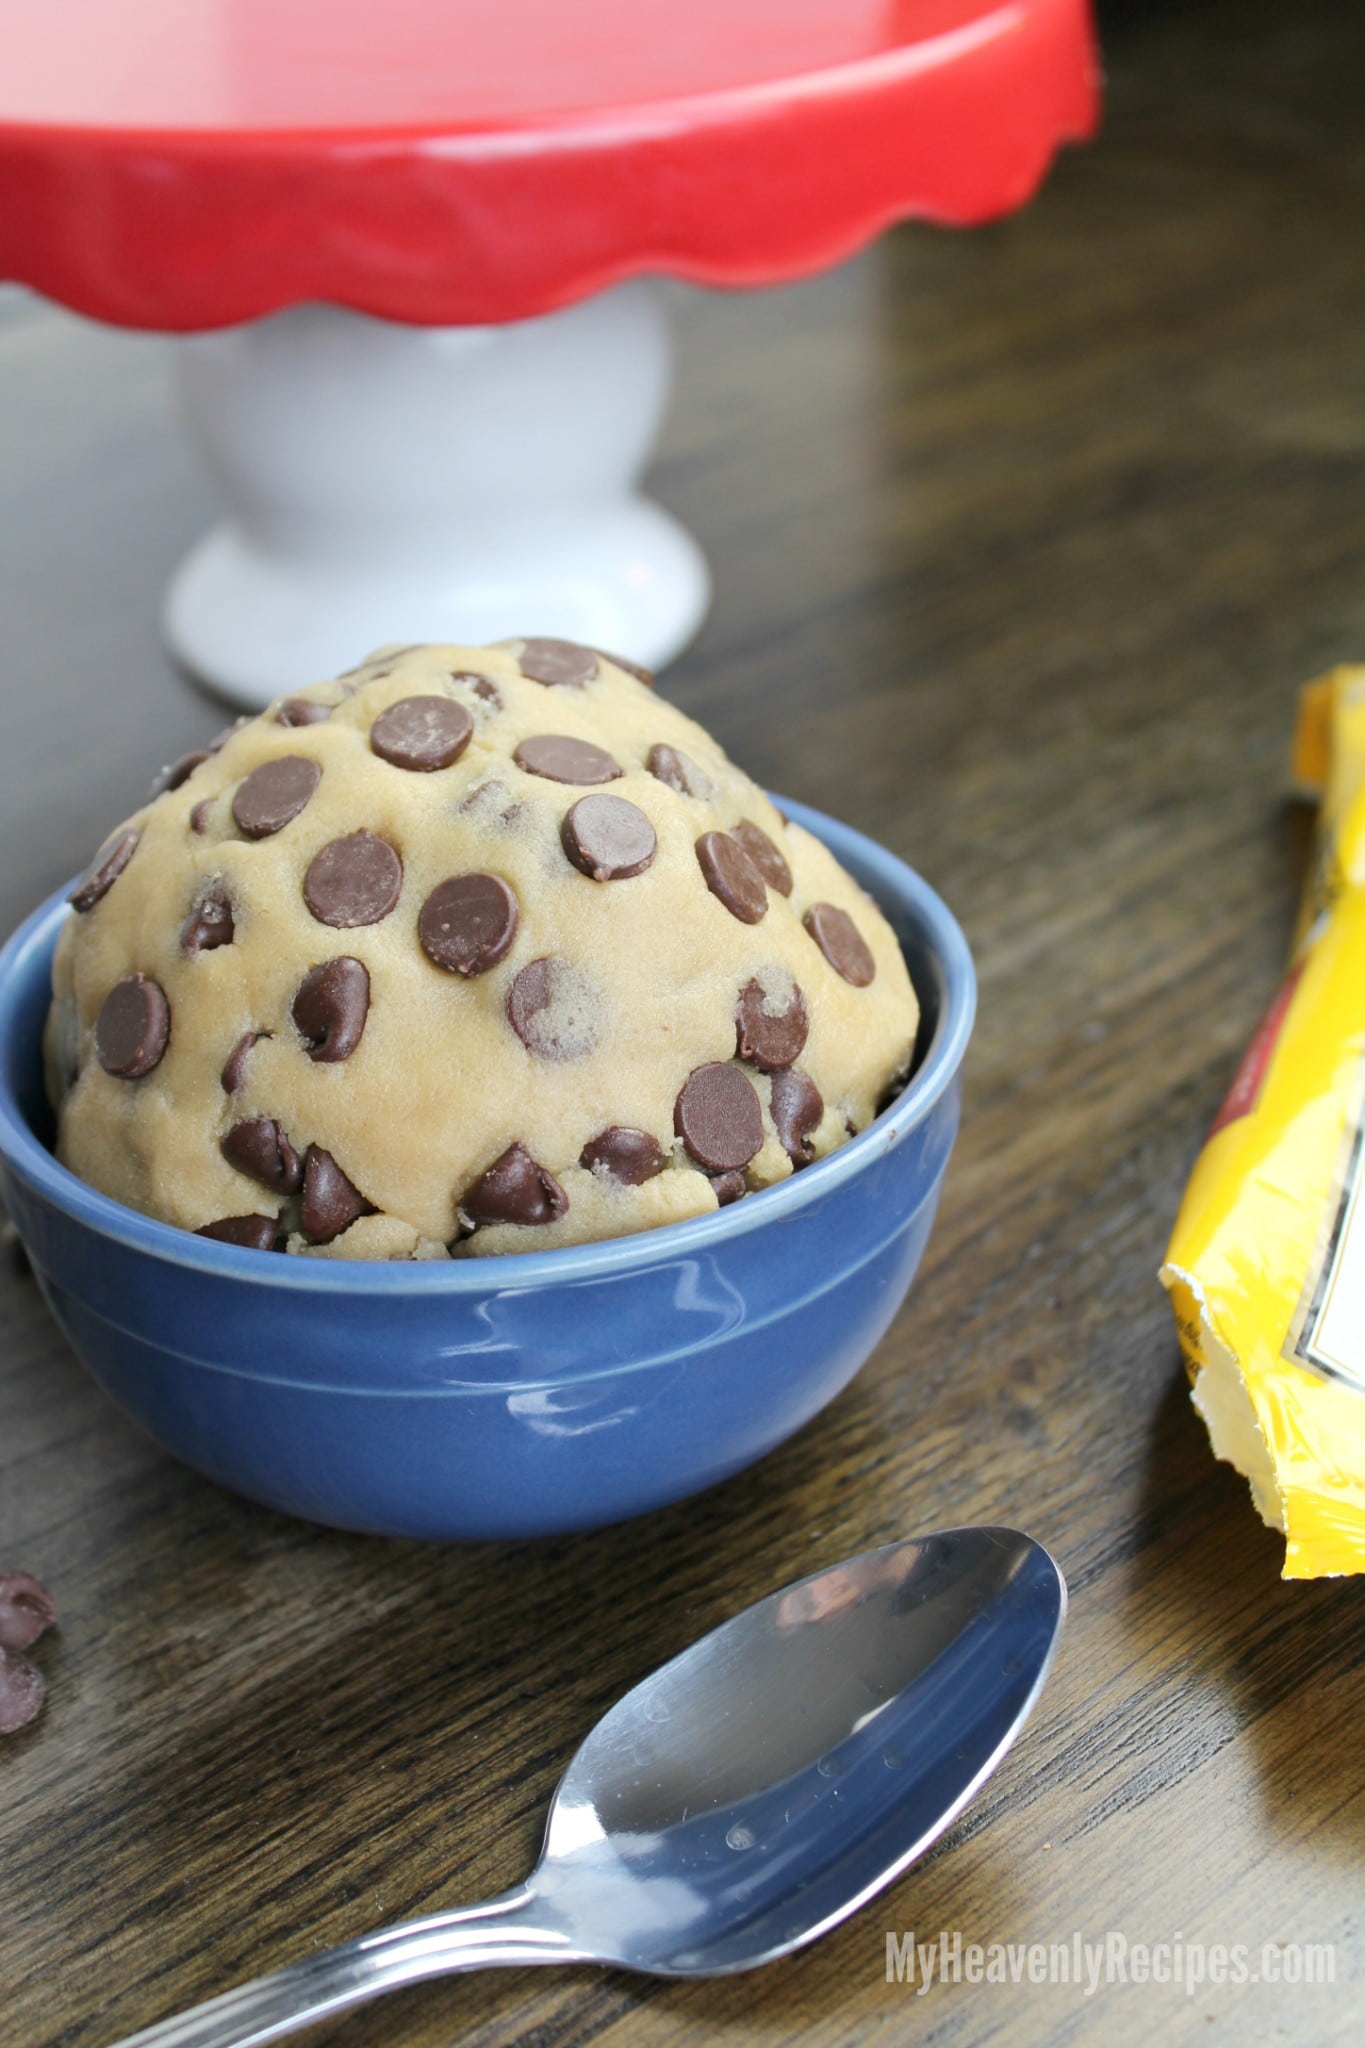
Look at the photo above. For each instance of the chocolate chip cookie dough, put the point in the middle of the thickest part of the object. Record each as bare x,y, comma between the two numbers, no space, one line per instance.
472,950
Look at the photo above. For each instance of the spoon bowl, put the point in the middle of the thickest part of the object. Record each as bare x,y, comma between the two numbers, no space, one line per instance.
749,1795
759,1787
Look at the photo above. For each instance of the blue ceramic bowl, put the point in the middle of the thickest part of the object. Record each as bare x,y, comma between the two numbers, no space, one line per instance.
499,1397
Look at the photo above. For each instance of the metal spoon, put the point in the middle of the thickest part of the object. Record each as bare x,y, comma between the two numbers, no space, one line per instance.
751,1794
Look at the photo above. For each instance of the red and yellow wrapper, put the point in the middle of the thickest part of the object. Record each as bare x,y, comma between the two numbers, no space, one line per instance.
1266,1266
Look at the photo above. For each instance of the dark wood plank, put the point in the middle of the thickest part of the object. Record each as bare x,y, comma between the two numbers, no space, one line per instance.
1024,540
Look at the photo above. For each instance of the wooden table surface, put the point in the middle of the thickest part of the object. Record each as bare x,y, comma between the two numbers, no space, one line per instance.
1023,541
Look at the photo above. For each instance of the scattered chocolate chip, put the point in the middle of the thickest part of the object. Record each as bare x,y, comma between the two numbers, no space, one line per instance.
727,1188
302,711
482,686
732,877
797,1107
210,924
234,1066
176,772
515,1190
678,770
132,1028
27,1610
353,881
551,1008
254,1233
561,759
331,1203
274,793
260,1149
468,923
842,944
561,662
422,733
199,816
770,1036
22,1692
719,1118
331,1007
607,838
624,1154
632,668
105,869
764,855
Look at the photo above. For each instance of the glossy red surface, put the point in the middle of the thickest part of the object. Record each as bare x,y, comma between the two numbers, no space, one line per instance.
188,163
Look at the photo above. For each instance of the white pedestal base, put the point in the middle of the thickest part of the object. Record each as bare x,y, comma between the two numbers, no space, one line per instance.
391,483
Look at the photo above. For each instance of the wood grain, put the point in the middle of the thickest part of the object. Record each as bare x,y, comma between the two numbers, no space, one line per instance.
1024,540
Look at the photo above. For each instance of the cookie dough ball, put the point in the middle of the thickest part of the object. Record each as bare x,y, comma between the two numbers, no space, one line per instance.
472,950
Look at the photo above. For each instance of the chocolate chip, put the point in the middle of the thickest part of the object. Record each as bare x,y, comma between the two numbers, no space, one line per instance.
770,1035
302,711
22,1692
561,662
210,924
27,1610
132,1028
468,923
608,839
234,1066
260,1148
551,1008
624,1154
176,772
274,793
797,1107
331,1007
764,856
678,770
732,877
199,816
842,944
515,1190
632,668
719,1118
105,869
422,733
353,881
255,1233
482,686
331,1203
727,1188
491,804
561,759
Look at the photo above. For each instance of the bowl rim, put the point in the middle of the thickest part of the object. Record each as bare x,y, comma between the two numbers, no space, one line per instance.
897,882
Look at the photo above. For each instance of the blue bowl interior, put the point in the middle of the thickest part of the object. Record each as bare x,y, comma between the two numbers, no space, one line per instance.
21,1053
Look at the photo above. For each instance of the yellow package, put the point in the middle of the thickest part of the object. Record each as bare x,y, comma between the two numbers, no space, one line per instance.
1266,1268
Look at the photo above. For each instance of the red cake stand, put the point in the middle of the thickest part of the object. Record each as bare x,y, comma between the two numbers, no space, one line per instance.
417,244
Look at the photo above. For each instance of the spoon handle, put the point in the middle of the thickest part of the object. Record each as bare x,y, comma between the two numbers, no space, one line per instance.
502,1930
